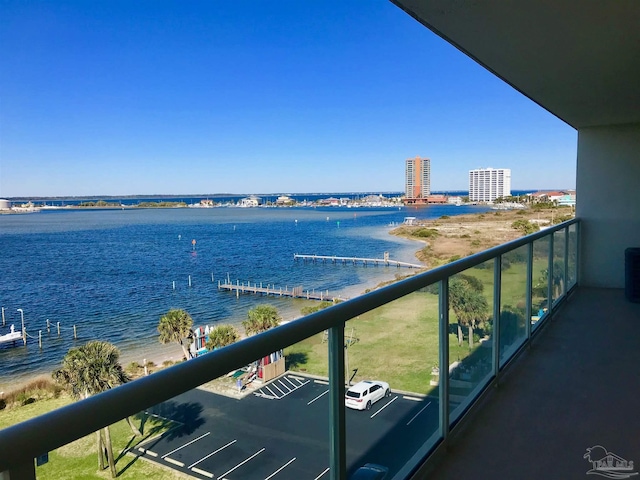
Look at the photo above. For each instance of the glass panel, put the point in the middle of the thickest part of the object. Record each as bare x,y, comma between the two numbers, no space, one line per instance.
558,264
539,286
225,428
396,344
470,338
573,256
513,302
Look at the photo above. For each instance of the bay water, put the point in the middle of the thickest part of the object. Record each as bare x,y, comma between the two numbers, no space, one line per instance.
111,273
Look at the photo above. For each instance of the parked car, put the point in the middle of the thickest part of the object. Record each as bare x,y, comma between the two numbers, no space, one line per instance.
365,393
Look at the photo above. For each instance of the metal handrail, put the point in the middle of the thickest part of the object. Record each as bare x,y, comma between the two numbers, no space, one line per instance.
21,443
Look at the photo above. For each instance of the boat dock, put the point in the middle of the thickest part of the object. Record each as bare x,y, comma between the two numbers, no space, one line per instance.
272,290
356,260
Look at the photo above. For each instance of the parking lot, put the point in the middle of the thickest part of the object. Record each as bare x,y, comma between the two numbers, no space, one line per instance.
280,431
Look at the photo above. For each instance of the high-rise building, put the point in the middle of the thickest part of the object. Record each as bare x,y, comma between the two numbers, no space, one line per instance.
418,178
487,184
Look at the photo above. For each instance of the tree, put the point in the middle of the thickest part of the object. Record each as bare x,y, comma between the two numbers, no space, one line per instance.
221,336
468,304
261,319
175,326
90,369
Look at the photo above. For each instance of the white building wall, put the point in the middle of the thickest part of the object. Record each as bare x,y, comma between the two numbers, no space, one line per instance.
608,190
487,184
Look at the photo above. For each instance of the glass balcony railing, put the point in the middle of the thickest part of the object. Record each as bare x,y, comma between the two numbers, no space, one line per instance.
436,340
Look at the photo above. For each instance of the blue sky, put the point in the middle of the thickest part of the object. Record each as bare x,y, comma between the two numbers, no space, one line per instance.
176,97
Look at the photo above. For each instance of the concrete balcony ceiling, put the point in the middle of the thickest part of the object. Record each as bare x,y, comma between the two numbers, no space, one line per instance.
578,60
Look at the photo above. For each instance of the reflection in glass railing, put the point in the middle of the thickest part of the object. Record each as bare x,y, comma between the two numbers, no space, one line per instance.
572,256
471,342
558,282
540,281
513,301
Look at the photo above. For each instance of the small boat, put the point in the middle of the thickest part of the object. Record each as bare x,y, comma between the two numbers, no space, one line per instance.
11,337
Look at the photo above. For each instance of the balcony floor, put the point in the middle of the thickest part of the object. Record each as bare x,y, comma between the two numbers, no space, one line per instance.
577,387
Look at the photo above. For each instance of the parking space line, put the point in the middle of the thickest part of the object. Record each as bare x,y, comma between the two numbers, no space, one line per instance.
388,403
287,388
321,475
148,452
171,460
415,399
242,463
284,385
212,454
281,468
321,382
300,379
292,384
203,472
185,445
421,410
276,386
319,396
272,392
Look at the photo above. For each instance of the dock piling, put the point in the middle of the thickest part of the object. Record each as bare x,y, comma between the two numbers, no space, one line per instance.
40,339
58,329
48,326
75,333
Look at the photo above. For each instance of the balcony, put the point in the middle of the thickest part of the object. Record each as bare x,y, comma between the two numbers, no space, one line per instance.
575,388
475,317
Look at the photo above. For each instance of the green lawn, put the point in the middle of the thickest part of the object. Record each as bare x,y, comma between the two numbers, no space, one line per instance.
79,459
398,342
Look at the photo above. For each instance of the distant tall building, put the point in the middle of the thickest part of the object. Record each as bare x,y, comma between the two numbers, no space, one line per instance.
418,178
487,184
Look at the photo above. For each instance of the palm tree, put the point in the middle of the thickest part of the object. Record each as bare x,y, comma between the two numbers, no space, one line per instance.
90,369
261,319
175,326
221,336
468,304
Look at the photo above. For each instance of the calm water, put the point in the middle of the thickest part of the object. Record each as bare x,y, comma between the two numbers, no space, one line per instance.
111,272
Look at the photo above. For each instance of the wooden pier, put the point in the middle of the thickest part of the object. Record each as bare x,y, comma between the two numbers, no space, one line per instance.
356,260
272,290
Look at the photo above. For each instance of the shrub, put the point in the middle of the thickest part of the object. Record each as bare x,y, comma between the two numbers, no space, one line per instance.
425,233
444,217
466,235
475,243
525,226
314,308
